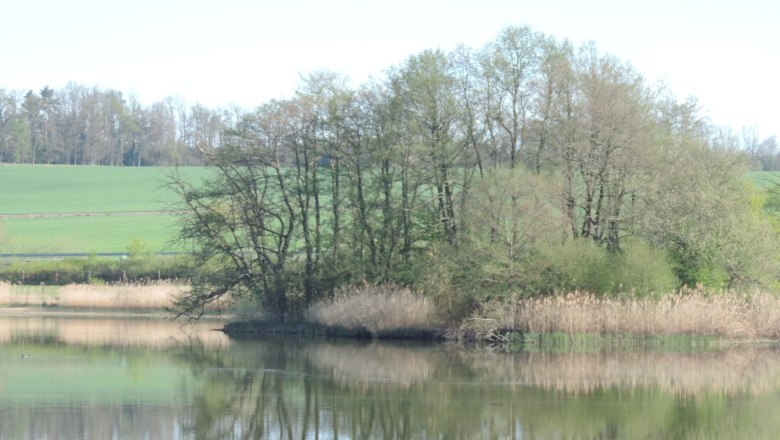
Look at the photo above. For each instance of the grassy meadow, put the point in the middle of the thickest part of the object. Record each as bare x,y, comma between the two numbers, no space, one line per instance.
55,208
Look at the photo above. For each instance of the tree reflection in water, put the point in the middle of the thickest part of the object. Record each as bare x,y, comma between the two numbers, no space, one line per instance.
73,378
294,389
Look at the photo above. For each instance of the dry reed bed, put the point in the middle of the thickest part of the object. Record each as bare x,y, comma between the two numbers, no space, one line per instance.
122,296
698,311
374,308
157,295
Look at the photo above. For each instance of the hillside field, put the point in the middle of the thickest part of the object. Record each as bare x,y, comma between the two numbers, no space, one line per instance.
60,208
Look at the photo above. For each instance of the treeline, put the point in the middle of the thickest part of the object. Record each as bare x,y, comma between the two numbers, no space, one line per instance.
79,125
525,167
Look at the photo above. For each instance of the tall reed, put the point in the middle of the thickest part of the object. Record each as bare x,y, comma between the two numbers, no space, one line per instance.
374,308
120,296
699,311
157,295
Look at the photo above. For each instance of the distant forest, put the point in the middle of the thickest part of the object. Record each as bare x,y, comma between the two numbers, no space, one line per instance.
81,125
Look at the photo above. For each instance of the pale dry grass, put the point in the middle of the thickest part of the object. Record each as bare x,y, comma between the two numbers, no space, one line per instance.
11,295
375,308
691,312
157,295
120,296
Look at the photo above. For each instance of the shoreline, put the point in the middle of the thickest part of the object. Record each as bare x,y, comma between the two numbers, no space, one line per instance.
254,328
158,314
508,340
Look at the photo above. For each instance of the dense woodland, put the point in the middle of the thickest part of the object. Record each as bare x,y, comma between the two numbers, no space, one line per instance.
526,167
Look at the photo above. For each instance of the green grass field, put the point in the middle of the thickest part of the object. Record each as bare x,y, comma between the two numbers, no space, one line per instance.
86,209
765,179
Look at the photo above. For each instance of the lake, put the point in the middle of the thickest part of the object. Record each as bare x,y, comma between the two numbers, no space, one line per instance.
130,378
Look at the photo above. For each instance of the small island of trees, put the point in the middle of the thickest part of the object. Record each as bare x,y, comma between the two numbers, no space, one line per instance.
525,169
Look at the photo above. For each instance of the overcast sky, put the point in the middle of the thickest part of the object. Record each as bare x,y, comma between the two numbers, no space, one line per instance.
245,52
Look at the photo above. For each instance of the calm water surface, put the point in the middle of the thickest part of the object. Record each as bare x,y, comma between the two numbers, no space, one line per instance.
100,378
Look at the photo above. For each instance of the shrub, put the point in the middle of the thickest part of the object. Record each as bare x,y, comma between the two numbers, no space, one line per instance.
94,270
454,281
580,265
642,269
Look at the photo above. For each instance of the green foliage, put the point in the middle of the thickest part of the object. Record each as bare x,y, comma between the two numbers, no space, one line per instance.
137,250
453,281
94,270
581,265
585,266
642,269
443,177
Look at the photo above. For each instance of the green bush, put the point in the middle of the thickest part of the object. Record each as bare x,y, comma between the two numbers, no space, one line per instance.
452,282
580,265
642,269
585,266
94,270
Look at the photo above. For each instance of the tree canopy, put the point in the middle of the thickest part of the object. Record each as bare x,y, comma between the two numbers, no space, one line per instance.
525,167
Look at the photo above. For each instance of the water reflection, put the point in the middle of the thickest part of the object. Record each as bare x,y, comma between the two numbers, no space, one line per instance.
101,330
111,379
730,371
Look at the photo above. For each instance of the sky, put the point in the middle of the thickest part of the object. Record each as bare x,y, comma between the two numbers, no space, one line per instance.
246,52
